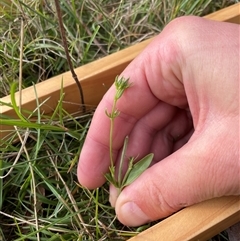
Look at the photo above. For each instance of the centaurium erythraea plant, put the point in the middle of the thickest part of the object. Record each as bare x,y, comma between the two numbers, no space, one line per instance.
134,170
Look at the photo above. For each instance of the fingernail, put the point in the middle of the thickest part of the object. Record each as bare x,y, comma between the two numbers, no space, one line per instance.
132,215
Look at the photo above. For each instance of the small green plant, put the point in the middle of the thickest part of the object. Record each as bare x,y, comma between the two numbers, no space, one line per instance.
134,170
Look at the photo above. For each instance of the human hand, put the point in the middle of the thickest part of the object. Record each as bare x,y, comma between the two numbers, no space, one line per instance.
184,107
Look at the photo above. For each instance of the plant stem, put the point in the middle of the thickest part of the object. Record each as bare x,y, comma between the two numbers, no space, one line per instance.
111,136
65,46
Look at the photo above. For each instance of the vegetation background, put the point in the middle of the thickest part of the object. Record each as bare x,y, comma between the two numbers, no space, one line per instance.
40,198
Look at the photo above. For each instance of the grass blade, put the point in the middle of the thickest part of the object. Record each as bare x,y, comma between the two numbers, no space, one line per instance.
14,103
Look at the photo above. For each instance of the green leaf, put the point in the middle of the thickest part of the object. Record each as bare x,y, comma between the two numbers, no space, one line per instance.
14,103
42,126
122,159
138,169
130,166
110,179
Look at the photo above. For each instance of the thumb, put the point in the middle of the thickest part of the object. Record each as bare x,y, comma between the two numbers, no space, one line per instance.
196,172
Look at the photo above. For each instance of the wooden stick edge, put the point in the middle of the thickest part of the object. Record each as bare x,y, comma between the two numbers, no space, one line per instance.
198,222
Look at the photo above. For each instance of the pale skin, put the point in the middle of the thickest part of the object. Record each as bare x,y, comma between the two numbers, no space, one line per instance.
184,107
